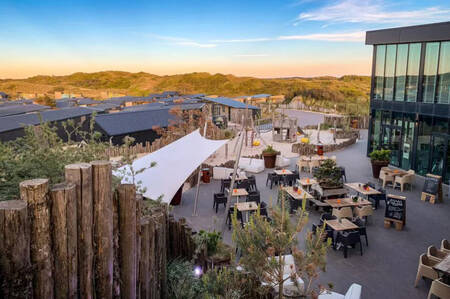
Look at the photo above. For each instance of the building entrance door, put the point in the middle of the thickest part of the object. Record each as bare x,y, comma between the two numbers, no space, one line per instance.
392,139
440,156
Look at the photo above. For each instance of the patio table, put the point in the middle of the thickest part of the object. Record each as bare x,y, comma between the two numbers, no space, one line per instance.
347,202
306,183
246,207
283,171
358,187
238,192
395,172
345,224
300,194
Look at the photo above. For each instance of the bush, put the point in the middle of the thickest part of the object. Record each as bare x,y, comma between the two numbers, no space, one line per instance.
181,282
380,155
270,150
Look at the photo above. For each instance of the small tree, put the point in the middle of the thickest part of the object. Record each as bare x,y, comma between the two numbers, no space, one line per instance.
264,244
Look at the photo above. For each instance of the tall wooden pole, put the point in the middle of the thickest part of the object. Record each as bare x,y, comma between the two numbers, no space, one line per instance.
81,175
194,213
14,250
35,193
103,228
64,219
127,240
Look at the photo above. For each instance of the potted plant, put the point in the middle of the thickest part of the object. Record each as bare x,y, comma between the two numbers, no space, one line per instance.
328,175
270,156
379,158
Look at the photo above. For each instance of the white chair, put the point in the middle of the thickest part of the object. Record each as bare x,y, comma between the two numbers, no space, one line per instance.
445,246
353,292
364,211
333,158
302,163
385,177
312,164
345,212
407,179
435,254
439,289
425,269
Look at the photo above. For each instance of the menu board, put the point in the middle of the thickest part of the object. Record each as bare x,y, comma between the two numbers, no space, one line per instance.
431,185
395,208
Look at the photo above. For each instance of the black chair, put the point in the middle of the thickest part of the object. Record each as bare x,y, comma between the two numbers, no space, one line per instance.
244,184
225,184
296,174
328,231
350,238
343,173
252,182
239,217
376,198
254,196
362,228
289,180
273,178
326,216
219,198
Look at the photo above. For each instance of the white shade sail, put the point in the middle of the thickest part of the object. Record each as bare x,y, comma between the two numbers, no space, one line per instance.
174,164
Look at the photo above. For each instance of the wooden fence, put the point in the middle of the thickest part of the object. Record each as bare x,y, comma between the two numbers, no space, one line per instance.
82,239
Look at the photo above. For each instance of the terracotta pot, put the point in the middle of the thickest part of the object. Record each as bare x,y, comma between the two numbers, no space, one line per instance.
269,160
376,167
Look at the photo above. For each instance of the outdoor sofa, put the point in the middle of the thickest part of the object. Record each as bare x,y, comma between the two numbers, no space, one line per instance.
252,165
223,173
354,292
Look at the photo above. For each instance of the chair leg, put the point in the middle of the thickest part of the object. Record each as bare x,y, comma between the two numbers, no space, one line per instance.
345,251
217,207
367,242
360,247
417,278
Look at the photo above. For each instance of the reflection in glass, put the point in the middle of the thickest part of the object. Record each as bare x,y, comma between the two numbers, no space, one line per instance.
379,72
438,157
389,72
412,78
408,137
443,95
376,130
430,71
423,144
400,72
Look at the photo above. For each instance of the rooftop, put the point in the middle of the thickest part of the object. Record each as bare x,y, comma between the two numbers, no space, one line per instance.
230,103
20,109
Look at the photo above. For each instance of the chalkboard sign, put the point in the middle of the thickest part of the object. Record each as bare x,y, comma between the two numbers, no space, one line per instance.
431,185
395,208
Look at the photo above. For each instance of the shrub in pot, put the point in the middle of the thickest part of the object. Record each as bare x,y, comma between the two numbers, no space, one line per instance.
270,156
379,159
328,175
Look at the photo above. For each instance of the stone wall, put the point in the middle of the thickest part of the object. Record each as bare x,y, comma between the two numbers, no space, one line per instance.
310,149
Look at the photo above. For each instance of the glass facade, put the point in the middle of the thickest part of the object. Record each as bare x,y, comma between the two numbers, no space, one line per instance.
443,80
400,72
430,72
379,72
417,135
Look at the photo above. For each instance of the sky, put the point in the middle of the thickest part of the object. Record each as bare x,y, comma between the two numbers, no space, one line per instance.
246,38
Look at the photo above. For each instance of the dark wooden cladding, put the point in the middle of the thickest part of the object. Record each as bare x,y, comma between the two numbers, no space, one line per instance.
81,175
14,250
103,229
64,221
35,193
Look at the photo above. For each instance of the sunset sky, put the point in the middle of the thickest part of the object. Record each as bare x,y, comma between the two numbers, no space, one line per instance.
255,38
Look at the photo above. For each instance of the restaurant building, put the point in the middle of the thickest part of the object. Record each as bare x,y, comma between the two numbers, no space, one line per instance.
410,96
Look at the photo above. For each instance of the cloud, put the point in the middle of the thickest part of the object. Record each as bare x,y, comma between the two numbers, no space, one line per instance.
251,55
245,40
333,37
372,11
180,41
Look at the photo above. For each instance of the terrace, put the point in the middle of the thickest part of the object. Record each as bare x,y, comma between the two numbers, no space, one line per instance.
388,265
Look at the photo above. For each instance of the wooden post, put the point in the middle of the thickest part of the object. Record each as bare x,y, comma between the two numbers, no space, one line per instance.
139,199
15,267
127,239
64,220
81,176
35,193
144,262
103,228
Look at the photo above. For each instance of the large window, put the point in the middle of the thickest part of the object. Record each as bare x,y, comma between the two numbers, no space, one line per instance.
389,72
376,129
412,78
443,91
379,72
424,144
430,71
400,72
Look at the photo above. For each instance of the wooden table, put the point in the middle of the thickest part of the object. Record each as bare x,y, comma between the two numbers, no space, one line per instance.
444,266
283,171
334,192
307,182
361,190
345,224
395,172
246,207
238,192
347,202
319,158
297,195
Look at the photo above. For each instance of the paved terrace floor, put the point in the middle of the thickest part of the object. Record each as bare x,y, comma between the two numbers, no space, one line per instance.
388,267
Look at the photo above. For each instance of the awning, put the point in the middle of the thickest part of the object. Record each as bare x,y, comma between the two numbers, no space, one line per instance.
174,164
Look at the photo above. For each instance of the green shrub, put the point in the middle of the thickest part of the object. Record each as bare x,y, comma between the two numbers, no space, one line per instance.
181,282
380,155
270,150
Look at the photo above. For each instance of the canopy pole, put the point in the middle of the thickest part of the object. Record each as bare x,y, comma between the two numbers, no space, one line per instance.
233,179
194,213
